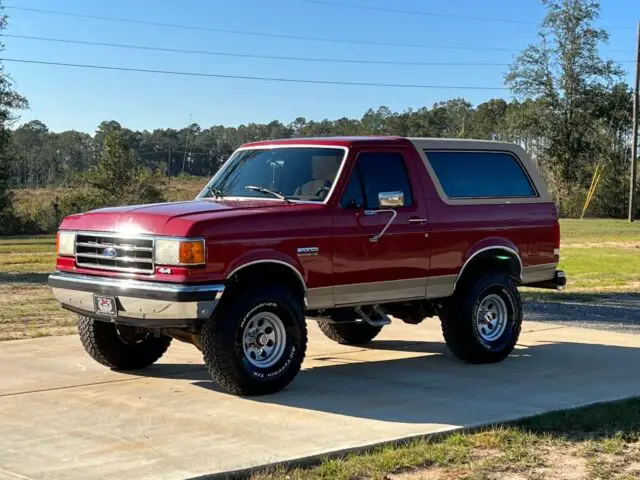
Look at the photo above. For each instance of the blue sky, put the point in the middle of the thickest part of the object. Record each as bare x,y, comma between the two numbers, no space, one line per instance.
70,98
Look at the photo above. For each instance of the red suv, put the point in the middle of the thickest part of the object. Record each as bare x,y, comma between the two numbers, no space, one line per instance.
344,231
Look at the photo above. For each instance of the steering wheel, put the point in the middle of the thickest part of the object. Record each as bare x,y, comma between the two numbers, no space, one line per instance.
325,189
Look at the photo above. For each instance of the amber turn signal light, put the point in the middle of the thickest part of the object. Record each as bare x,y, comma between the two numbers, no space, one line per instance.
192,252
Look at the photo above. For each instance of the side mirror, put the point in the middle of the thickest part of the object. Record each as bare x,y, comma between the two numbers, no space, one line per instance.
391,199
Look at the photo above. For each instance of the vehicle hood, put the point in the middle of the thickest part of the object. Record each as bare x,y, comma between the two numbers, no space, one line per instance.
176,218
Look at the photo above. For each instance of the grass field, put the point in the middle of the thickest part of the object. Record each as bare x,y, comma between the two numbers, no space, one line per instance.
599,256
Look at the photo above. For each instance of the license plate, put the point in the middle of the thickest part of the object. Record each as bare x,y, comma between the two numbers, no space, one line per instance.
105,305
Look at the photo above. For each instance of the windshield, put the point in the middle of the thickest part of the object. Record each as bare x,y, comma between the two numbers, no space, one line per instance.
300,173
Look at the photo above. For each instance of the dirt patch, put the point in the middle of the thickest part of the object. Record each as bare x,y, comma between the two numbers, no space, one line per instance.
630,244
561,462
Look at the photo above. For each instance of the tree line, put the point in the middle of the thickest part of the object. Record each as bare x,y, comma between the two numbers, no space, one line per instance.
570,108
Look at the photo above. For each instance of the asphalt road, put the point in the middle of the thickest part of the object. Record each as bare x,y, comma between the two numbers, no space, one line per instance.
619,313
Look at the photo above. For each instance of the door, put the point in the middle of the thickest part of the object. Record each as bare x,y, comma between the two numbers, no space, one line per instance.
380,249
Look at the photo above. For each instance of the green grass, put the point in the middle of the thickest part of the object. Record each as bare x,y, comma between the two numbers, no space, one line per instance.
599,230
596,440
601,268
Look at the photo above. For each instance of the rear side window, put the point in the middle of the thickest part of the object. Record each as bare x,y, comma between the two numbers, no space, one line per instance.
383,172
480,175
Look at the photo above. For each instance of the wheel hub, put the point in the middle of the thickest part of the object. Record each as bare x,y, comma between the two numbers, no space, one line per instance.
491,319
264,339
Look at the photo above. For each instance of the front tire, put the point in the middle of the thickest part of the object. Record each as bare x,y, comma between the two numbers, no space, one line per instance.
256,342
481,323
121,347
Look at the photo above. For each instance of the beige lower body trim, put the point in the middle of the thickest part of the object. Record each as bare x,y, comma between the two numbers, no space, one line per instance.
404,290
441,287
380,292
538,273
318,298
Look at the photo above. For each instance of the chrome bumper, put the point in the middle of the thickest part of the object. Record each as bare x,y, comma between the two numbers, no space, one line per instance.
138,303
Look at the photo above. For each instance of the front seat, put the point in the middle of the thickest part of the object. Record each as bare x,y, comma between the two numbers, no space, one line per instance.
324,171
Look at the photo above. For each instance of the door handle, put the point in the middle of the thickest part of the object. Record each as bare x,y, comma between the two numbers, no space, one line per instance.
417,220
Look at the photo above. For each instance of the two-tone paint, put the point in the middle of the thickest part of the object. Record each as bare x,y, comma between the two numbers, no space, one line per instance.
329,249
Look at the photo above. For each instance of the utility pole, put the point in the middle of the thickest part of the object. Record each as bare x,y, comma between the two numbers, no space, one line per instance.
186,144
634,136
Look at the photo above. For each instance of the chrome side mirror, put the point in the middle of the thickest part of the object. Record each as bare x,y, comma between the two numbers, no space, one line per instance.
391,199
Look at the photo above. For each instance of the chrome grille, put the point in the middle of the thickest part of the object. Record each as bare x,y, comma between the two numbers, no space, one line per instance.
115,252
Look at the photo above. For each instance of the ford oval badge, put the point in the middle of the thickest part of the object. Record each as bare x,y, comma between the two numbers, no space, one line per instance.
110,252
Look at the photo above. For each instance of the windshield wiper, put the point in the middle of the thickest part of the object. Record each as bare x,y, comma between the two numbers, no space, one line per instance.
214,192
257,188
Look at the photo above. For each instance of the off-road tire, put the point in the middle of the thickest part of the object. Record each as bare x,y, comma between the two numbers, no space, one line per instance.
103,343
222,341
349,333
458,317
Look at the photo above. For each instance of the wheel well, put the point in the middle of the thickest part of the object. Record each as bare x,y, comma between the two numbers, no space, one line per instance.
263,272
495,259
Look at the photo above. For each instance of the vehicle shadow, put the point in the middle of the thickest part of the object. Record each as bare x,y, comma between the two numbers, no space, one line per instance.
428,385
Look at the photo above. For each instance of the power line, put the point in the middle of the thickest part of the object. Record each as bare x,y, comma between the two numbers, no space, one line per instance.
248,77
250,55
263,34
244,32
437,15
420,12
261,56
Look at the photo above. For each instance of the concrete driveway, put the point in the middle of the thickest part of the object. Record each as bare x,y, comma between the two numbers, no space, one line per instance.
64,416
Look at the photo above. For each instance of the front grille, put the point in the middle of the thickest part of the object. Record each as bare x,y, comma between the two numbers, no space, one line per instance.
114,252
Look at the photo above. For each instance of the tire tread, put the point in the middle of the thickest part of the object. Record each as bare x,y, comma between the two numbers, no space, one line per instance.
349,333
100,341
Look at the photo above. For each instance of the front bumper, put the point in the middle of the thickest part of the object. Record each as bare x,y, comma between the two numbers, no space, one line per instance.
139,303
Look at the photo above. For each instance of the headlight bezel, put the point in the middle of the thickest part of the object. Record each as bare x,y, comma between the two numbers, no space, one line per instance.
173,251
65,243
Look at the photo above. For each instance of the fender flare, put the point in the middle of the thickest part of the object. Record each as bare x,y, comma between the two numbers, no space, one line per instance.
488,245
268,256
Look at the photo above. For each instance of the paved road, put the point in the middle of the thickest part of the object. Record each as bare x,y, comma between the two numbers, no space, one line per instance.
62,416
609,312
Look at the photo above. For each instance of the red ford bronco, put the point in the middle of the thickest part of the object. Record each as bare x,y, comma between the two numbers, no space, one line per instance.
344,231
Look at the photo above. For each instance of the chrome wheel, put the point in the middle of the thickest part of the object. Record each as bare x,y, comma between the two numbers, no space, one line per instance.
491,318
264,339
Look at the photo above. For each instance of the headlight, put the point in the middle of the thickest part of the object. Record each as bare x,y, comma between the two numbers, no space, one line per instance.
170,251
66,243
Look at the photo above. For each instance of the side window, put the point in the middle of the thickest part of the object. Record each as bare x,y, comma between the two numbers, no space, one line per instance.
353,196
383,172
480,175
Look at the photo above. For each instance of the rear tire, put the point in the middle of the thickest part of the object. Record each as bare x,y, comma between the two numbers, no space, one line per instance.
349,333
256,342
120,347
481,323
